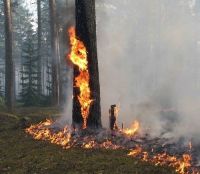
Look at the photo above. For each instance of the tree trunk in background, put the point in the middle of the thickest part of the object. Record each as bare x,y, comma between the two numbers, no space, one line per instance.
9,65
55,76
39,33
86,32
59,66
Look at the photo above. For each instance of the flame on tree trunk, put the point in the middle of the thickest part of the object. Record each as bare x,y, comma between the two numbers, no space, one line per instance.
78,56
86,32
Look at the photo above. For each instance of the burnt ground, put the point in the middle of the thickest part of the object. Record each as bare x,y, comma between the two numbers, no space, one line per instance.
20,154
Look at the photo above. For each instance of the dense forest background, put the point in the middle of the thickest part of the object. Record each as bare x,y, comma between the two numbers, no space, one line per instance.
152,47
35,47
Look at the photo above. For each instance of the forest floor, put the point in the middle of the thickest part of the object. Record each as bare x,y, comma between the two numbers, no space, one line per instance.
20,154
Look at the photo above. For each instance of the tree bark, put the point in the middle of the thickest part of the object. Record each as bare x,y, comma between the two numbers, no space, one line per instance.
86,32
39,33
55,76
9,65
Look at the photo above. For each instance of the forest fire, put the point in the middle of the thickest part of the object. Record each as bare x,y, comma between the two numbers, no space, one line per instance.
78,56
129,138
68,138
140,146
142,55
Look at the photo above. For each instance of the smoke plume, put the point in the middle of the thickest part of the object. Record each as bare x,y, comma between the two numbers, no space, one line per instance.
149,59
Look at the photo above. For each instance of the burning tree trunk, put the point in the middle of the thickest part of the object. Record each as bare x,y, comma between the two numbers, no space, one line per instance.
86,32
9,65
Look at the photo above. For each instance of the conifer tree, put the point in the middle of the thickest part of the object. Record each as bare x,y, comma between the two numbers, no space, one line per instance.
2,92
9,63
29,72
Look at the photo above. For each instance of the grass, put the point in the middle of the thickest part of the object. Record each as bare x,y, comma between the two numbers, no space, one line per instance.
20,154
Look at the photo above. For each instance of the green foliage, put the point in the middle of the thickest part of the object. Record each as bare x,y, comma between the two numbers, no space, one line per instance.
21,19
29,72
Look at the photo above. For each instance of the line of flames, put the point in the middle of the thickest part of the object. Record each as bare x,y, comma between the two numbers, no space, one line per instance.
182,165
78,56
64,138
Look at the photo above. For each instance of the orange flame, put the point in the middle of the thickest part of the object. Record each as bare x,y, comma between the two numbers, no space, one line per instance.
133,130
182,165
64,138
91,144
41,131
135,152
109,145
78,56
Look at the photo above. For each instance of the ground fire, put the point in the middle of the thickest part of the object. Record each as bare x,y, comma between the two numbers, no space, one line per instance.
139,145
135,144
134,128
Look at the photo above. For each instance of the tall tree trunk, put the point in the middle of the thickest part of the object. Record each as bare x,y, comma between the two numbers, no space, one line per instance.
9,65
86,32
39,33
55,76
59,66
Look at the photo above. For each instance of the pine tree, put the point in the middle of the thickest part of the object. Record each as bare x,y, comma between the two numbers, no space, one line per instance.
48,84
9,64
86,32
45,49
29,72
2,54
39,38
2,34
54,53
21,20
2,75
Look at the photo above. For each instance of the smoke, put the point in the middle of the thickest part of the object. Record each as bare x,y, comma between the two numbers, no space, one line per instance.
149,60
67,8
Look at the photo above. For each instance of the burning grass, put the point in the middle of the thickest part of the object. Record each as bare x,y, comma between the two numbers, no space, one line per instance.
119,139
22,154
